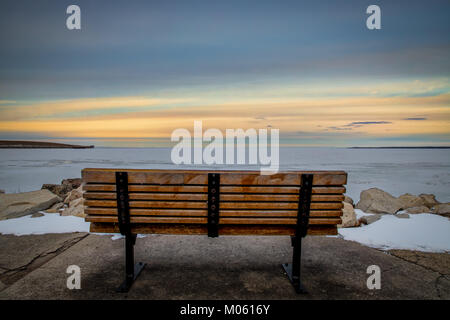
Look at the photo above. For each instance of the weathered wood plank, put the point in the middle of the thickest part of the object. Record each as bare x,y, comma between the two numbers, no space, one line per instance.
278,205
204,197
201,177
278,190
149,204
147,188
148,177
150,196
204,213
226,220
204,189
223,205
149,212
265,230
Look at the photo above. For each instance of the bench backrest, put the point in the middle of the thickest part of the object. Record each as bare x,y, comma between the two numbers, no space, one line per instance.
176,201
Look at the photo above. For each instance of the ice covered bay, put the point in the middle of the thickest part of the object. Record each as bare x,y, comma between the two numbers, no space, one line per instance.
396,171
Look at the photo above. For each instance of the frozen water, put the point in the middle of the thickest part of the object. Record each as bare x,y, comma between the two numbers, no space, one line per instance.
396,171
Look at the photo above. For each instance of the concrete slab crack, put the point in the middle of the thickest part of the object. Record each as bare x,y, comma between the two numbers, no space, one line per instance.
10,276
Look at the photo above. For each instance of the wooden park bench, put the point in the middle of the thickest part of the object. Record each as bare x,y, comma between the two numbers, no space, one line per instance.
213,203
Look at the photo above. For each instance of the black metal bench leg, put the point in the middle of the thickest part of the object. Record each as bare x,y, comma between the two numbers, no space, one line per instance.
293,269
132,270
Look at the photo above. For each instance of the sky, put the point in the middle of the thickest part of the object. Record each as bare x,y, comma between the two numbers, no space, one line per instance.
138,70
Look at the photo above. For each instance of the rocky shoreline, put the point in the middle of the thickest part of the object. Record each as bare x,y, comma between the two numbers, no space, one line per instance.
377,203
66,199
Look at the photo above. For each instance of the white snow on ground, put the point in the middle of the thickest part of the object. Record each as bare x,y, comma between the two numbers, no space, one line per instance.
49,223
359,213
421,232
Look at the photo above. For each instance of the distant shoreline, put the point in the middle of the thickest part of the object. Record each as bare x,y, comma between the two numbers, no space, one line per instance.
13,144
424,147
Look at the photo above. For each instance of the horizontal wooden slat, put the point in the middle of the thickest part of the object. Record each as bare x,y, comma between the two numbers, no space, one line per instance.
278,205
277,213
277,190
223,205
149,204
200,220
282,179
204,189
146,176
204,197
149,212
150,196
335,178
147,188
204,213
266,230
277,197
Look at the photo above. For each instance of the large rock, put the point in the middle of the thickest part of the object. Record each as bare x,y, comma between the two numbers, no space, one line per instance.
55,208
368,219
74,183
76,208
410,201
420,209
64,188
348,217
429,200
74,194
375,200
349,200
58,189
442,209
2,191
14,205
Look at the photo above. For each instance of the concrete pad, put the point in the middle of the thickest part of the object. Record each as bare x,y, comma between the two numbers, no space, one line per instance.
14,205
430,260
21,255
234,267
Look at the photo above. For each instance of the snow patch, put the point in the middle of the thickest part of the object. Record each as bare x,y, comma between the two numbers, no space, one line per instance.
421,232
49,223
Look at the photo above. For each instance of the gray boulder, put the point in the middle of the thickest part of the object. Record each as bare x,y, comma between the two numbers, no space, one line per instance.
442,209
410,201
370,218
14,205
420,209
64,188
76,208
73,195
349,200
429,200
58,189
375,200
73,183
55,208
348,217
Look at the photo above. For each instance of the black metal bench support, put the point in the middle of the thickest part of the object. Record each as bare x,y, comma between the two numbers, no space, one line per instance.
213,204
123,214
304,204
